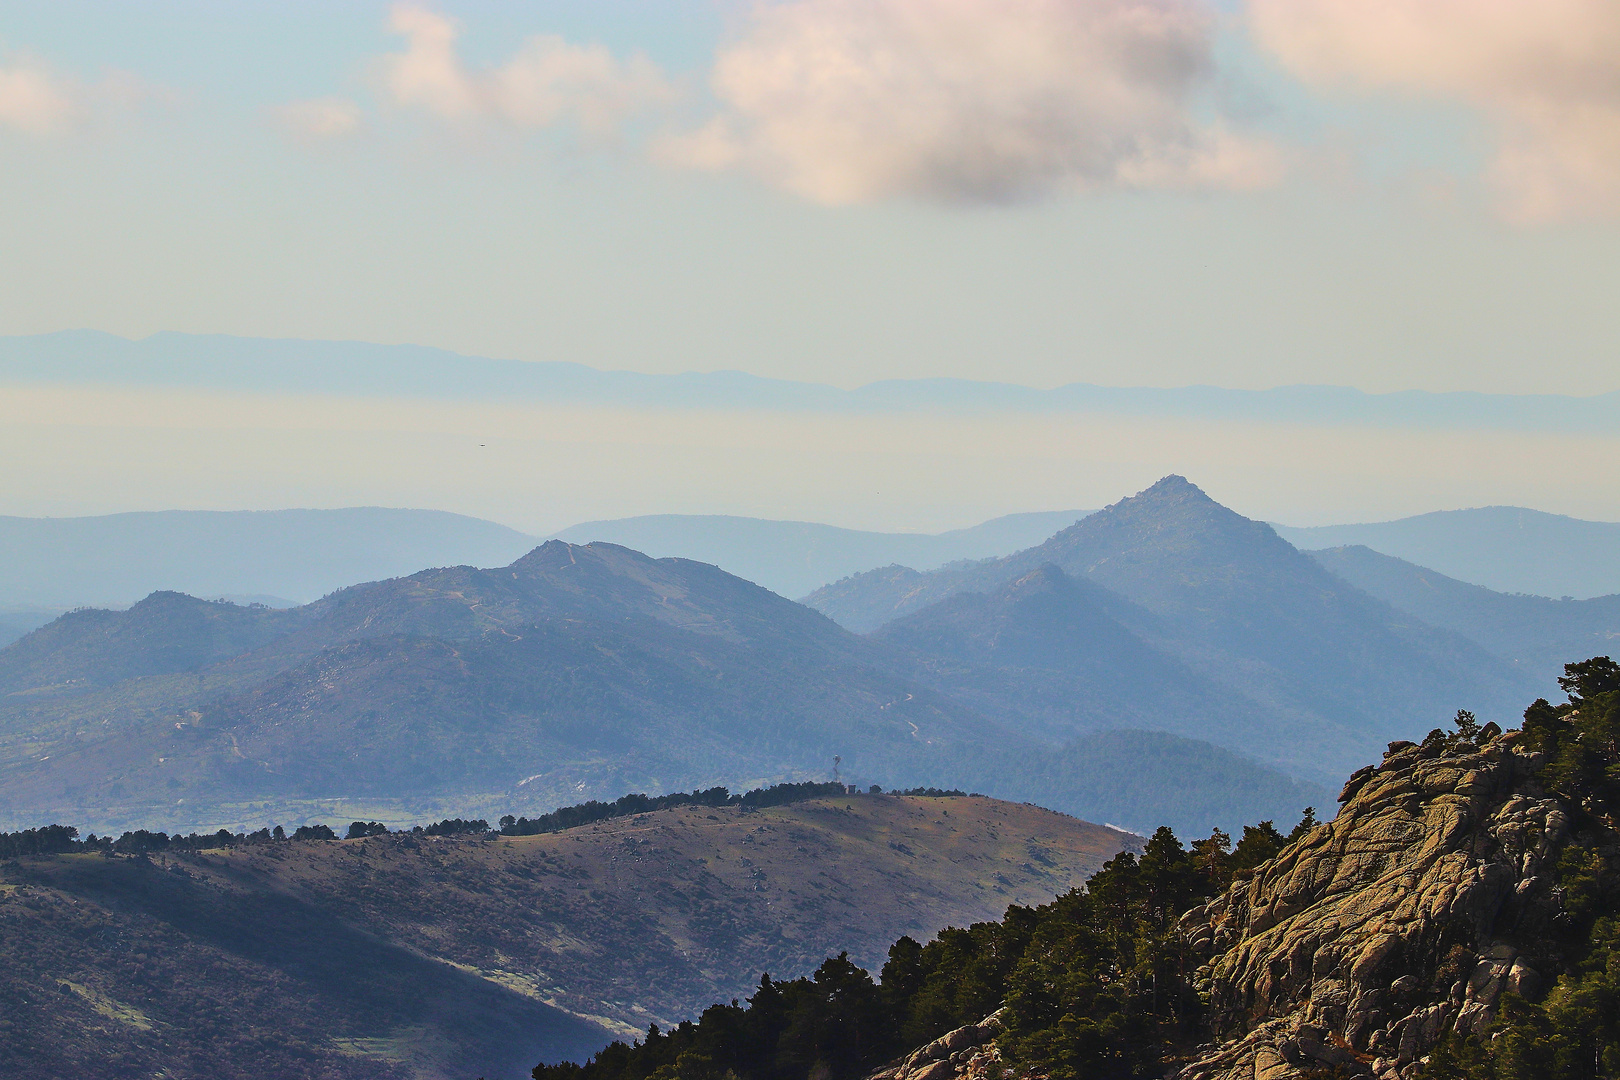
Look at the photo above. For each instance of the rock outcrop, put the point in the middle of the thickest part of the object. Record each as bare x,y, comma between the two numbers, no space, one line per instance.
1362,944
968,1053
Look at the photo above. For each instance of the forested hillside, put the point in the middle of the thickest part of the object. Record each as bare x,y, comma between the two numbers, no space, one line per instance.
1457,919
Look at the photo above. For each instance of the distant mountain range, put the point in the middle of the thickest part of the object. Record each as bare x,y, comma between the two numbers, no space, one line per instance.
1537,634
1303,669
794,558
283,558
218,362
1162,660
288,557
1505,548
280,556
576,671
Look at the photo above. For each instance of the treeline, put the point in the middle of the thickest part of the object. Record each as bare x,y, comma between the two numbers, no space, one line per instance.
569,817
1095,984
62,839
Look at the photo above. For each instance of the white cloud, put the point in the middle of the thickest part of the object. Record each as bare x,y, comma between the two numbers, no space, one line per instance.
320,118
548,82
1547,72
35,101
845,101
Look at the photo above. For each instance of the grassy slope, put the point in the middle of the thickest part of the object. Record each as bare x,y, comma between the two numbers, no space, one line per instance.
402,956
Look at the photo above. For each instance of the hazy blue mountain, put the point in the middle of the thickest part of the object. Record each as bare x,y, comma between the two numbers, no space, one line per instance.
1339,671
347,367
1503,548
1537,634
16,622
168,632
298,555
795,557
576,671
1058,653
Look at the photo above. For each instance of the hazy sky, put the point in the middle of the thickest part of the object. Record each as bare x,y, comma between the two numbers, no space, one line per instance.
1387,194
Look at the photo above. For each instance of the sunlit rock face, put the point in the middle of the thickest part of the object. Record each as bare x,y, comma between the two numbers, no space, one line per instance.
1406,917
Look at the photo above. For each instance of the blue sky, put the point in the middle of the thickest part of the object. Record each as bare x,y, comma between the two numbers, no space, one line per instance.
1124,192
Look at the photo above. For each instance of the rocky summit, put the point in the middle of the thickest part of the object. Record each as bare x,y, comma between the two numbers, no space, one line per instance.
1362,945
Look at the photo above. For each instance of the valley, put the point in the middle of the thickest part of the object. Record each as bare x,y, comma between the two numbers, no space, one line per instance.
402,955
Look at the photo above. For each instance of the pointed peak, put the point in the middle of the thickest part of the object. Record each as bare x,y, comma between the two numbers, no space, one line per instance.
1173,494
1173,484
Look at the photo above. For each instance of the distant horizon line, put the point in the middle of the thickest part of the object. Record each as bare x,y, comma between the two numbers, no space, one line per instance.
159,336
555,534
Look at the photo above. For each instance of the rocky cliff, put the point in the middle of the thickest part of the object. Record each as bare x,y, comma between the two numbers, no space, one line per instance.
1443,884
1405,918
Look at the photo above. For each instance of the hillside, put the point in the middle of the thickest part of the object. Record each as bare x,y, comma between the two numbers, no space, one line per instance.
1504,548
1454,921
1336,671
294,555
795,557
1535,633
402,955
1057,652
17,621
164,634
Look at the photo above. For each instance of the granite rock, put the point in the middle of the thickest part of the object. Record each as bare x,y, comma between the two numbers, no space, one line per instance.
1367,940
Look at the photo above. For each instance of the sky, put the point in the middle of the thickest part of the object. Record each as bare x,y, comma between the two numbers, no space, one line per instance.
1384,194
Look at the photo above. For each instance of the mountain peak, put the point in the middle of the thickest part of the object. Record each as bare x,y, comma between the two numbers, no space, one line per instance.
1171,489
548,556
1175,482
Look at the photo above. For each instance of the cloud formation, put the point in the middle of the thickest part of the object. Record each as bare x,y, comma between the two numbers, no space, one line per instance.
35,101
548,82
320,118
845,101
1547,72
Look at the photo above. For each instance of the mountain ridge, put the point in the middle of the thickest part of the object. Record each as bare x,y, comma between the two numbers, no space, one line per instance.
1241,607
1534,632
310,366
1503,548
576,671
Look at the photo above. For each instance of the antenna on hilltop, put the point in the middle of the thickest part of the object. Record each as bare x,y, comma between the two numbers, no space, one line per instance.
837,761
